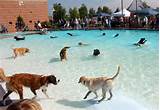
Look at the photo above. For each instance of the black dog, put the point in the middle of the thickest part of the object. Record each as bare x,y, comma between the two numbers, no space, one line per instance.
96,52
19,38
103,34
70,34
116,35
140,42
53,37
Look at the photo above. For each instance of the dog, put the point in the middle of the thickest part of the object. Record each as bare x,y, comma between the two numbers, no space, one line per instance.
70,34
52,37
116,35
16,82
25,104
94,84
141,42
96,52
17,38
103,34
63,53
82,44
20,51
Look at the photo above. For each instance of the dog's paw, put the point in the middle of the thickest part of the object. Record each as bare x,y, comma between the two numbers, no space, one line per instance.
99,101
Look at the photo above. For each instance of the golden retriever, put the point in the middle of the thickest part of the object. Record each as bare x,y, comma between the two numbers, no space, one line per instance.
25,104
95,84
63,53
20,51
16,82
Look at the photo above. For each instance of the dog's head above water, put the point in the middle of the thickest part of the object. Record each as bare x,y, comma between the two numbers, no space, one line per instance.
52,79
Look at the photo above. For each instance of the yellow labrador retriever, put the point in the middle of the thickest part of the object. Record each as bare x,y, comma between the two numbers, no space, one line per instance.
94,84
20,51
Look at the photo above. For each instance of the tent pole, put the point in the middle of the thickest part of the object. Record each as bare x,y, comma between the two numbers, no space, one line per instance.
136,11
122,11
136,5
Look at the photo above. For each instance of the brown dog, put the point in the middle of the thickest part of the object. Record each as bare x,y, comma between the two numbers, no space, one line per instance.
63,53
16,82
103,83
25,104
20,51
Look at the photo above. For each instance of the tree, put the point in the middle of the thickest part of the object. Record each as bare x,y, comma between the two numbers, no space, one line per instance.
73,13
99,10
106,10
117,10
83,11
92,12
145,5
20,23
59,12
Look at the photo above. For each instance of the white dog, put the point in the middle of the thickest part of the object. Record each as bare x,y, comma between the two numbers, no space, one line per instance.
103,83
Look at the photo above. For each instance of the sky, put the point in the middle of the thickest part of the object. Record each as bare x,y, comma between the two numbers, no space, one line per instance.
112,4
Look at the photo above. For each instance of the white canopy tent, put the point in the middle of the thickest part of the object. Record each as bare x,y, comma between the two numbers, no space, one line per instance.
126,13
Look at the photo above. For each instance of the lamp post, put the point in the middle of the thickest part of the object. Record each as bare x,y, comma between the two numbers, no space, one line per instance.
21,3
122,6
136,5
136,11
19,23
122,11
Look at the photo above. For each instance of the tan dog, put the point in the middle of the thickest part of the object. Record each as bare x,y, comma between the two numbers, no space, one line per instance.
63,53
16,82
103,83
2,78
25,104
20,51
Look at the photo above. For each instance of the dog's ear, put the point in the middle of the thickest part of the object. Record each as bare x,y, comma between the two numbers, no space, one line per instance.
81,79
84,82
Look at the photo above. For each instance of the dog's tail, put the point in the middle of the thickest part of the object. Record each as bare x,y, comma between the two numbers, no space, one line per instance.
112,78
3,77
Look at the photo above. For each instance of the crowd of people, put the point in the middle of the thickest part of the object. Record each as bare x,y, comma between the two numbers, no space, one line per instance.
149,22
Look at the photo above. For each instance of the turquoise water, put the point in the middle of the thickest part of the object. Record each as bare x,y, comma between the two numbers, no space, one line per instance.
138,78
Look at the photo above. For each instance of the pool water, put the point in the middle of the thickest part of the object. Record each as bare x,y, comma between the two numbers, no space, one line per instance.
135,88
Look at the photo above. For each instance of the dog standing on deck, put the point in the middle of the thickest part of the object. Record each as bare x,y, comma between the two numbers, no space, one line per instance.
94,84
63,53
20,51
16,82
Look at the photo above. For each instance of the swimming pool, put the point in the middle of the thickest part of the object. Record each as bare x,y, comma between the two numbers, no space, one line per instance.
136,87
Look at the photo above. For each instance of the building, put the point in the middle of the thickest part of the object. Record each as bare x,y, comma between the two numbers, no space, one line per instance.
31,11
